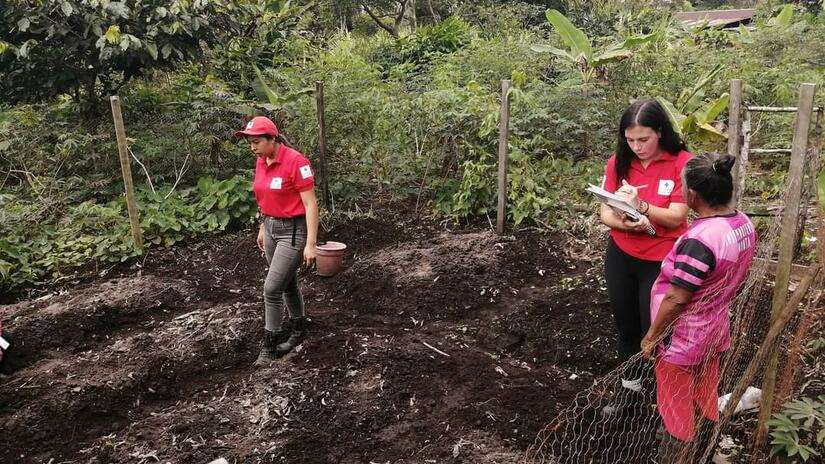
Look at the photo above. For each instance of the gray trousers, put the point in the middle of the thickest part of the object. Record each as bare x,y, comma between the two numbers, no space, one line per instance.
284,243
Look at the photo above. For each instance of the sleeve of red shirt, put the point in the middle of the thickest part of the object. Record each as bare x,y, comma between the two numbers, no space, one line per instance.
303,175
681,160
610,182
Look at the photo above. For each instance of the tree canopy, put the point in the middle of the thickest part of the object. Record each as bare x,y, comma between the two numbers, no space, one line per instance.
90,48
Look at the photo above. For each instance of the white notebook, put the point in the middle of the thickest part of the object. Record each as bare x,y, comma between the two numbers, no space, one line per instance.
618,204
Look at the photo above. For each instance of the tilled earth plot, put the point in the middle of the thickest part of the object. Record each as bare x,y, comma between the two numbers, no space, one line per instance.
429,347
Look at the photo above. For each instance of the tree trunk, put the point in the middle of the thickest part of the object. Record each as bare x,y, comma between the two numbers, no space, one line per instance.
393,31
433,14
413,18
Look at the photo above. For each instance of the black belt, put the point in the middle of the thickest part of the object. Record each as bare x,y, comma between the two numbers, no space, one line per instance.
294,220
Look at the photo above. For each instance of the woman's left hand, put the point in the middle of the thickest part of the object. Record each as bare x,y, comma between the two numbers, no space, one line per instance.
648,345
309,254
637,226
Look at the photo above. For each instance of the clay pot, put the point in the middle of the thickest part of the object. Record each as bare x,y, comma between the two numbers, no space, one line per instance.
329,258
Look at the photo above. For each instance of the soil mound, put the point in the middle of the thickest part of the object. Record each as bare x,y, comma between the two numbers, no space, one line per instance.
429,347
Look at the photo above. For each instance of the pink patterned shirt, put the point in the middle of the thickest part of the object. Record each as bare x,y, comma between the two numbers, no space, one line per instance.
712,260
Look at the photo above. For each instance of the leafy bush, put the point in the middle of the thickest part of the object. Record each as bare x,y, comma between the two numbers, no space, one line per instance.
414,52
91,49
33,250
799,429
415,116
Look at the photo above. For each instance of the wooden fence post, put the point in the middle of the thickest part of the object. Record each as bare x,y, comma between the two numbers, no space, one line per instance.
126,169
322,141
735,134
790,218
503,135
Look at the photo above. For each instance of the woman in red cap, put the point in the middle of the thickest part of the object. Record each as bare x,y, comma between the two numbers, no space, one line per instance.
284,190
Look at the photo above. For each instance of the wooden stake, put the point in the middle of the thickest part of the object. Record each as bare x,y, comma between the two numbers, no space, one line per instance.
788,379
790,218
126,169
322,142
780,109
744,158
735,133
503,135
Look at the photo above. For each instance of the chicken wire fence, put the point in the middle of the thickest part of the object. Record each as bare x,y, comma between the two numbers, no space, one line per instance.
608,423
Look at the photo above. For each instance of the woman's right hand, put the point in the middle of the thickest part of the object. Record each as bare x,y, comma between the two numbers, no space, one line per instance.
630,194
261,238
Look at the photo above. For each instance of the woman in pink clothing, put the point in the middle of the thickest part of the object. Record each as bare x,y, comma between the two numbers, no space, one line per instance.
689,307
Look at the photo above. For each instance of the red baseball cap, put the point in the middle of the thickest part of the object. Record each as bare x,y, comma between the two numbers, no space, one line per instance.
259,125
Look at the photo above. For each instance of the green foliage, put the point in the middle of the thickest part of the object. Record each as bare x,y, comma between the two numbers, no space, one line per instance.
415,116
93,47
264,33
428,43
799,429
411,54
692,116
580,51
34,250
487,61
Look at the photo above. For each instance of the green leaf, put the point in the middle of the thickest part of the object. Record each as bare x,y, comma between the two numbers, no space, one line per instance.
67,8
634,41
676,118
272,96
703,81
23,24
572,36
112,34
710,129
152,48
5,268
550,49
118,9
611,56
785,16
712,110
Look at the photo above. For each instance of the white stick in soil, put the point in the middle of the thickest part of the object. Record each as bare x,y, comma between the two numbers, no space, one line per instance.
435,349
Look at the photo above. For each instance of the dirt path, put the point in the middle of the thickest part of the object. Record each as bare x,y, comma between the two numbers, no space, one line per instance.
429,347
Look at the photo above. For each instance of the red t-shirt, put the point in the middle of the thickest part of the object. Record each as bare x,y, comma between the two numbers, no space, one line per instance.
663,178
278,186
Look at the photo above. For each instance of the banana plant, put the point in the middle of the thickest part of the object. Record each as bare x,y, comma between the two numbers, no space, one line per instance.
784,18
277,101
693,115
580,51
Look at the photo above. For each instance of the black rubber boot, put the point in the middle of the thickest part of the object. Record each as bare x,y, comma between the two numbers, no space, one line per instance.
268,347
671,449
296,336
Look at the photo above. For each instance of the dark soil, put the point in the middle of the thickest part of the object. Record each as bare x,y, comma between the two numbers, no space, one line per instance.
430,346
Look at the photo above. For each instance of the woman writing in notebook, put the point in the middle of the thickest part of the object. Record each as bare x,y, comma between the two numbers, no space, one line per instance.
646,172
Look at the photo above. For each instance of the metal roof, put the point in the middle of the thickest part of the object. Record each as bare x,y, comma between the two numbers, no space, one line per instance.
715,18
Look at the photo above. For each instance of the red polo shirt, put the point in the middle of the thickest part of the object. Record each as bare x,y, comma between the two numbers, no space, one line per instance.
278,186
663,178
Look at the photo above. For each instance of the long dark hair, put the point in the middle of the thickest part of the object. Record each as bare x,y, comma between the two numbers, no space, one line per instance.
709,175
647,113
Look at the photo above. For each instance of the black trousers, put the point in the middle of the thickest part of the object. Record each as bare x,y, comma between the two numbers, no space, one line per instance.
629,281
